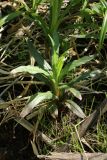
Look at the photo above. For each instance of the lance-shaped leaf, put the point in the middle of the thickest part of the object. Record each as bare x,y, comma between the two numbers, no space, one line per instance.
55,11
104,4
76,63
24,5
29,69
75,108
9,17
35,100
60,63
76,93
55,51
40,60
80,78
89,74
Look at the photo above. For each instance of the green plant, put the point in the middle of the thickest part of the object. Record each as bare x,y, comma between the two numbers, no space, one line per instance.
53,75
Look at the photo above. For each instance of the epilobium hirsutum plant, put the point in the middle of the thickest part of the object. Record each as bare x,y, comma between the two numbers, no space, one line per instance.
53,75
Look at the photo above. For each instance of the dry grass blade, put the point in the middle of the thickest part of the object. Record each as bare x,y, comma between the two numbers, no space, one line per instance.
73,156
5,90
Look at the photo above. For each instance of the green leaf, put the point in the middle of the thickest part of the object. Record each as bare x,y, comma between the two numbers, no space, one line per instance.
60,63
85,3
24,5
75,108
54,51
103,31
9,17
40,60
75,80
96,8
104,3
76,93
35,100
55,11
54,57
29,69
76,63
36,3
80,78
